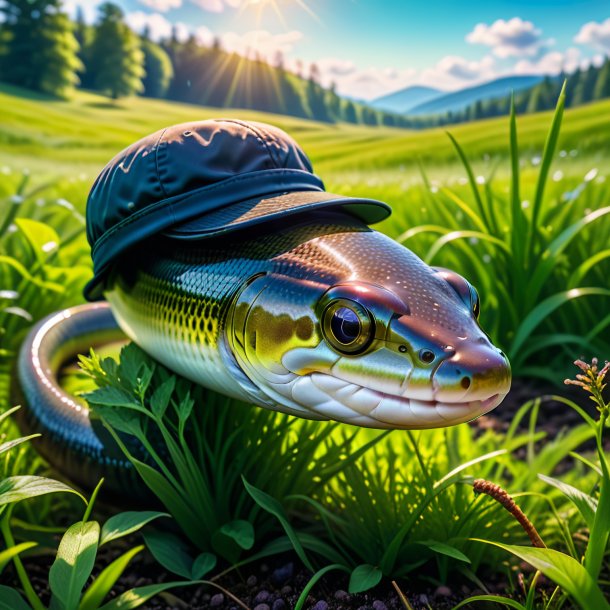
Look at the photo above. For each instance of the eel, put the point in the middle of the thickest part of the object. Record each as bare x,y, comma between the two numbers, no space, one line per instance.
322,318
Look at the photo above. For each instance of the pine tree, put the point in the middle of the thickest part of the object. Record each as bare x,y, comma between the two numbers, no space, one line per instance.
333,102
583,91
602,83
158,68
40,47
349,112
116,55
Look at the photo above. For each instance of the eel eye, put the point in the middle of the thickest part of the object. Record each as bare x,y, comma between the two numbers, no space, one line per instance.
475,302
347,326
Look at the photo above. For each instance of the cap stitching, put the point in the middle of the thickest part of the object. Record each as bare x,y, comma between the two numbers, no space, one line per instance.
260,138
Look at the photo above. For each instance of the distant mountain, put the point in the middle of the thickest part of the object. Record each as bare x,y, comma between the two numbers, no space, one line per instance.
458,100
404,100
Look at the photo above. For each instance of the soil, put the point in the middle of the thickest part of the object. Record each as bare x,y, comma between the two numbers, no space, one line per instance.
277,584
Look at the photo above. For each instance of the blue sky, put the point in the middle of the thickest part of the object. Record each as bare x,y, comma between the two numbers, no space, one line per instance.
372,47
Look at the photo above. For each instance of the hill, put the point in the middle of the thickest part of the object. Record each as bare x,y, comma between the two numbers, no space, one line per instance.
406,99
458,100
76,138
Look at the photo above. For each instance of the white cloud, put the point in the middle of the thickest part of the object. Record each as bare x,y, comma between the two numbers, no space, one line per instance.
262,42
218,6
162,5
596,35
89,8
453,72
159,26
361,83
212,6
553,62
204,36
335,67
512,38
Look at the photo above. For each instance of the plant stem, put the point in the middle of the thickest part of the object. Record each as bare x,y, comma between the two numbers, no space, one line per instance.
19,567
598,537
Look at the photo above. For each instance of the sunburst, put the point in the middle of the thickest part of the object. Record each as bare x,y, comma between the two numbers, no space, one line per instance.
260,7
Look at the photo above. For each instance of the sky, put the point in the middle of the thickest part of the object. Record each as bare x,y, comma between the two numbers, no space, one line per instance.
369,48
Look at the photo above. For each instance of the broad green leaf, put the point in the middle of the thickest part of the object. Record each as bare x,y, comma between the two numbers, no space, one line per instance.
241,532
122,419
8,554
585,504
15,489
159,401
73,563
170,552
126,523
562,569
363,578
104,582
112,396
444,549
203,564
136,597
271,505
11,600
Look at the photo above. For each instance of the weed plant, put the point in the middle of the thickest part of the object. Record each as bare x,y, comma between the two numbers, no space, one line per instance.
206,443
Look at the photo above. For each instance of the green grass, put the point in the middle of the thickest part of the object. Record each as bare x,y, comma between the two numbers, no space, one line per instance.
409,494
69,138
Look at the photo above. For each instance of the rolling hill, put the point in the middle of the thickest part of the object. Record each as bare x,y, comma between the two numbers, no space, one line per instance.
406,99
458,100
75,139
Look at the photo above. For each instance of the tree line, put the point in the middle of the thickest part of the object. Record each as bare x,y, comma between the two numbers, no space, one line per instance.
43,50
582,86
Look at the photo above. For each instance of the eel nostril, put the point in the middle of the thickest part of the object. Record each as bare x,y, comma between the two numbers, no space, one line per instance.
465,383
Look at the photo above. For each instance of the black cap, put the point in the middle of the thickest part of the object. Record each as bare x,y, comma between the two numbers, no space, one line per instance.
203,179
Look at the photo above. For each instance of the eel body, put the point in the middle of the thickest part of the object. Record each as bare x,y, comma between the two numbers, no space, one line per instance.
323,319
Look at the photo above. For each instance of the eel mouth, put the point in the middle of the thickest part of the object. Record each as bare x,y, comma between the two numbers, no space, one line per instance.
334,398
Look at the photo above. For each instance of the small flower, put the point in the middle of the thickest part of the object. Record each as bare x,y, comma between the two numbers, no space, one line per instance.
591,380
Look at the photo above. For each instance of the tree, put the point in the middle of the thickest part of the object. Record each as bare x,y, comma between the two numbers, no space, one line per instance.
158,68
333,102
583,91
602,83
116,55
349,112
41,50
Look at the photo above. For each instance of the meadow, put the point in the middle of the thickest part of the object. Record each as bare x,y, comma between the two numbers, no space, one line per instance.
517,206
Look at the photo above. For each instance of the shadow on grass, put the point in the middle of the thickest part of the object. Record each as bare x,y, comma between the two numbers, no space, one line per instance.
107,105
28,94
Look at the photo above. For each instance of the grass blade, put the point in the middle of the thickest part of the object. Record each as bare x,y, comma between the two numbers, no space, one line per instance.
545,165
562,569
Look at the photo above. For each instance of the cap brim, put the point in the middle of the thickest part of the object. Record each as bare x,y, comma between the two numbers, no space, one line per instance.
243,214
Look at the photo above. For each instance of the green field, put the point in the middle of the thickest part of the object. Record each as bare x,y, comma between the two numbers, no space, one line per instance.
79,136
